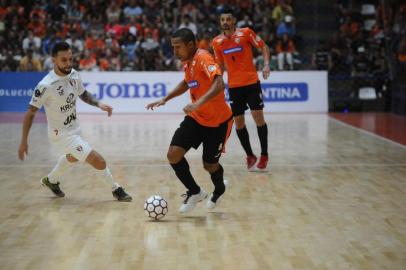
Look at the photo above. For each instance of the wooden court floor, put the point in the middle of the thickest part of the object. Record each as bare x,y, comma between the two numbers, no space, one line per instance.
334,198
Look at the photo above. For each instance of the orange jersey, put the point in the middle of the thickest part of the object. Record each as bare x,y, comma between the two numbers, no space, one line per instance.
235,52
199,75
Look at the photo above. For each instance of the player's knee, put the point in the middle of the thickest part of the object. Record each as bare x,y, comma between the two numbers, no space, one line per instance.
173,156
210,167
239,122
100,164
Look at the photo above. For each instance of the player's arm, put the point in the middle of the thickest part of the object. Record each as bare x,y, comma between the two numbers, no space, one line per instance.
266,55
181,88
91,100
216,88
27,123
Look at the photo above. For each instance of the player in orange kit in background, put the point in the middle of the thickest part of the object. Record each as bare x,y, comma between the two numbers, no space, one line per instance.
208,119
233,51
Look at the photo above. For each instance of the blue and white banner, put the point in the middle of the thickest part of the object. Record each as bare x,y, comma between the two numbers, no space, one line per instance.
127,92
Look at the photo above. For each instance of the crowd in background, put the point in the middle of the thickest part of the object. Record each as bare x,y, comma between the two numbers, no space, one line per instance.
132,35
367,31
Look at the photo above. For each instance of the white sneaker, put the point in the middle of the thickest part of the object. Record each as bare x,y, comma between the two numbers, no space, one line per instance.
212,202
191,200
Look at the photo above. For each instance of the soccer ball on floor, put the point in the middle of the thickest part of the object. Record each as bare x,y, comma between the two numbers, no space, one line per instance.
155,207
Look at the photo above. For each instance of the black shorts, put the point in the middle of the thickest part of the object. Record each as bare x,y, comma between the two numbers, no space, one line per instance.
192,134
241,96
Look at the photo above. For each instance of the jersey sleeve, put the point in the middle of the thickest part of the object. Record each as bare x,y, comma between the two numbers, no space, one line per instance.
81,87
39,96
209,67
254,39
218,56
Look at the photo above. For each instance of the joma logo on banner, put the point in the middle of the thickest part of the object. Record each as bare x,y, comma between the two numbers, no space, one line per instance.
128,90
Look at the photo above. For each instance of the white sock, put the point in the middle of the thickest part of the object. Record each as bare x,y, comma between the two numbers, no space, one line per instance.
108,177
59,169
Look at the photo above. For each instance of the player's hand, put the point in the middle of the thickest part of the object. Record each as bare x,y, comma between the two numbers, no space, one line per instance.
23,149
190,108
266,71
155,104
107,108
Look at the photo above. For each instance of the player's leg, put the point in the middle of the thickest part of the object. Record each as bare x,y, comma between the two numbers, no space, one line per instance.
185,137
256,104
99,163
82,151
52,180
213,145
238,106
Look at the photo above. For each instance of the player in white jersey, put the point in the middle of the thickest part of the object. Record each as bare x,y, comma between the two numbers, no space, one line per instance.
58,92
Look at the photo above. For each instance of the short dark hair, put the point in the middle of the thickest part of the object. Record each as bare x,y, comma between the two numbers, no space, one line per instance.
185,34
60,46
227,10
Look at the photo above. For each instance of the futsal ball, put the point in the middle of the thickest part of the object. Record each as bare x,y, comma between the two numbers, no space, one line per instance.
155,207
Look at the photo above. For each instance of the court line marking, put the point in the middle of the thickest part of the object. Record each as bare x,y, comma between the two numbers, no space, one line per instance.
367,132
112,164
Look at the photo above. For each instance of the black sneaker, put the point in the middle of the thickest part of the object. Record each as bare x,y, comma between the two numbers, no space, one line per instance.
121,195
53,187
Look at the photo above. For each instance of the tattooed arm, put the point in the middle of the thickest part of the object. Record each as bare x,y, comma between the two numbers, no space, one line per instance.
91,100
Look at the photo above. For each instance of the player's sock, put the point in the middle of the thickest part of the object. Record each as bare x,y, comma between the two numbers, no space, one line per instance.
263,139
245,140
182,171
218,181
108,177
55,175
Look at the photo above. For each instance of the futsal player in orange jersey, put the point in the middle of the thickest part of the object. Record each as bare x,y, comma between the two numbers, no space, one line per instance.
208,119
233,51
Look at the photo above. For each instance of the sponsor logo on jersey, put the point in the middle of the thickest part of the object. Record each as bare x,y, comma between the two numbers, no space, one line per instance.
70,97
60,90
193,84
233,50
79,148
68,107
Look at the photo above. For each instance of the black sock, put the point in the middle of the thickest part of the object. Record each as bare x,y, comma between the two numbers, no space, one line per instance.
218,181
245,140
182,171
263,139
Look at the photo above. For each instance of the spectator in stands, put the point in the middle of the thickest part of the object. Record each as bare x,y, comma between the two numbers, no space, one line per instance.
130,48
87,62
56,11
113,12
29,62
186,23
151,52
280,11
321,59
10,63
284,50
37,27
133,9
246,22
75,12
31,42
286,27
75,43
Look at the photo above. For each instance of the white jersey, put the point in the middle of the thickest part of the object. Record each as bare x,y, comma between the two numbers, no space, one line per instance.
58,96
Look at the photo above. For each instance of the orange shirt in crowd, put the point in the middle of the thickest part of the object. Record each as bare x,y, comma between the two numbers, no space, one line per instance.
235,52
199,75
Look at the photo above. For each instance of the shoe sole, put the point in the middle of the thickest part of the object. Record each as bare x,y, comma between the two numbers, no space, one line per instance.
57,195
125,200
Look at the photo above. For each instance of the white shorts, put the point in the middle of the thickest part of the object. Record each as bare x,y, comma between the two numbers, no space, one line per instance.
75,146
